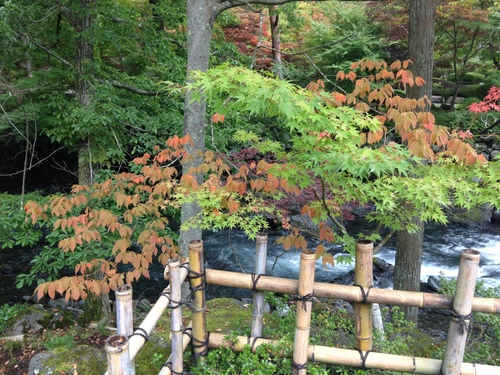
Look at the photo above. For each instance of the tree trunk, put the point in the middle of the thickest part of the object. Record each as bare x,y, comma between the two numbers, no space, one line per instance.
408,265
201,15
421,45
275,40
200,19
84,59
421,52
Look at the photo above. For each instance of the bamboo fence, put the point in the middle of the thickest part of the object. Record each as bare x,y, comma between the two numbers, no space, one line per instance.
362,294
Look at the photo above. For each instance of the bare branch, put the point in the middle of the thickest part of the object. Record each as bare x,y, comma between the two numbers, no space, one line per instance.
52,53
126,86
32,166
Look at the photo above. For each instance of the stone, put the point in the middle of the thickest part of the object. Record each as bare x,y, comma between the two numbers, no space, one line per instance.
84,359
27,324
59,303
433,284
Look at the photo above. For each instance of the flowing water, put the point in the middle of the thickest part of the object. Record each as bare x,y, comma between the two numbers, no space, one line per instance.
234,252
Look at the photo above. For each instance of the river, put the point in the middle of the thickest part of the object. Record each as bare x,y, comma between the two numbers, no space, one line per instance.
233,251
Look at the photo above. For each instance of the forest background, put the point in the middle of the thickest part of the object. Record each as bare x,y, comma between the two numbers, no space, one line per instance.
310,109
89,87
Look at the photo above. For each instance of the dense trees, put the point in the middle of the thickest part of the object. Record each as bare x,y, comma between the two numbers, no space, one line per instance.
105,79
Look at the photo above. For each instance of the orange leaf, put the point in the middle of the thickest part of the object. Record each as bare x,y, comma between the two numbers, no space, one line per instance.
218,117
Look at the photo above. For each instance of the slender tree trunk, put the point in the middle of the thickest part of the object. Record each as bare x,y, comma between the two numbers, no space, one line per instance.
275,40
84,59
421,52
200,19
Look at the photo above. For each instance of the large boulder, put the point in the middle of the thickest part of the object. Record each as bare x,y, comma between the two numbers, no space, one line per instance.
84,359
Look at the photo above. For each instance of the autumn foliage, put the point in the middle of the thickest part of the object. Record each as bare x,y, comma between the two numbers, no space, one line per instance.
370,146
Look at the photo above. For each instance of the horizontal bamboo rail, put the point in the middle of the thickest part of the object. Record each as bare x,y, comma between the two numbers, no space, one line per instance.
347,357
348,293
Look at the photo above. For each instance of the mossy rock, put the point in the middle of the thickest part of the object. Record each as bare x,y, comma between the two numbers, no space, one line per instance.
85,359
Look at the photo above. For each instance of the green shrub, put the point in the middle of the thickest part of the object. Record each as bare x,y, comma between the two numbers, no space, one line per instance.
15,229
7,313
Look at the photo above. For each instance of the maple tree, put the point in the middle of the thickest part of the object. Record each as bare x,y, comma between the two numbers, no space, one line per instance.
343,149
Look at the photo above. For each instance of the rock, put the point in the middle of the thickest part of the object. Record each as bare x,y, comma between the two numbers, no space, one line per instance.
476,216
27,324
433,284
495,216
383,275
84,359
59,303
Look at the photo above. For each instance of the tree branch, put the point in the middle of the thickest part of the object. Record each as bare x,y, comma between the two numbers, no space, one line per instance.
221,5
52,53
126,86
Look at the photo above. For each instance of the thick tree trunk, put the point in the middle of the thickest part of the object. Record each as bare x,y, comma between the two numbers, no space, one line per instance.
421,45
200,19
408,265
84,60
421,52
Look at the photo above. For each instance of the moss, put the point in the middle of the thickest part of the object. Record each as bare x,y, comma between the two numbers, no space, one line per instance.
227,314
152,356
63,361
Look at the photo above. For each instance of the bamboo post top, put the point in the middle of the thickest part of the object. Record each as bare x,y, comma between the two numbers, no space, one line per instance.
470,254
308,255
123,290
196,245
115,343
261,237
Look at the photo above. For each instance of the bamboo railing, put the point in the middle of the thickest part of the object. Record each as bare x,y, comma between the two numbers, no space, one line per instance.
122,349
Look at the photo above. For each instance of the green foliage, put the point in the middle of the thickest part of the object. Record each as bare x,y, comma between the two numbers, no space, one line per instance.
66,341
337,34
326,145
8,313
15,229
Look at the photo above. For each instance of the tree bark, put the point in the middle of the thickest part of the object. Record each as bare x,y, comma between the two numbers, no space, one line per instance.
83,18
275,40
408,265
421,52
200,20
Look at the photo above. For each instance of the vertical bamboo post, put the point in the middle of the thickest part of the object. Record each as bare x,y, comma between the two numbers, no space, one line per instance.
117,351
363,278
176,323
124,310
461,315
304,307
197,281
258,297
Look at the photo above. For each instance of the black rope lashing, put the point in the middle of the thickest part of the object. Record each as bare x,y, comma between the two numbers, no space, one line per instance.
172,304
298,366
194,275
364,293
142,332
252,345
255,280
175,304
196,343
198,288
462,324
165,293
307,298
363,356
